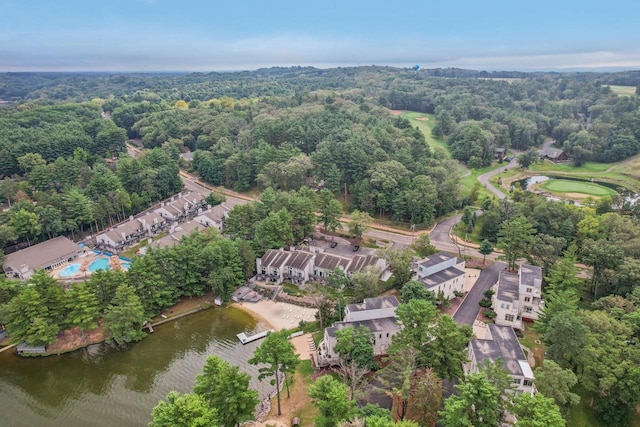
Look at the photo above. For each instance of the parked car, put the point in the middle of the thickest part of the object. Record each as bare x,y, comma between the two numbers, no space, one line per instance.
333,244
356,248
508,159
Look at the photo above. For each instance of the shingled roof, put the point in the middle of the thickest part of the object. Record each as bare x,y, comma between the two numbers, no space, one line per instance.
43,254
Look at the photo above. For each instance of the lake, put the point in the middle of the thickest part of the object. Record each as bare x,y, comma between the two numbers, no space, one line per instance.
105,386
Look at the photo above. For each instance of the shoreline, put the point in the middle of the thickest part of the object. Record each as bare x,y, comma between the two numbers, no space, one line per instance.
277,315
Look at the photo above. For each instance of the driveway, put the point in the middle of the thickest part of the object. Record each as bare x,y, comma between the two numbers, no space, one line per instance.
469,309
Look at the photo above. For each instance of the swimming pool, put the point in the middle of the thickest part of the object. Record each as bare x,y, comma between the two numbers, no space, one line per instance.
100,264
70,270
103,264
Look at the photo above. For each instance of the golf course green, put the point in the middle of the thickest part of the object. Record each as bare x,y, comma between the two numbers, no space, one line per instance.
573,188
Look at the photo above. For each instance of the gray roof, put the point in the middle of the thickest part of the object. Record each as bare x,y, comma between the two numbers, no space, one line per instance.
375,304
130,227
330,262
504,345
184,229
374,325
274,258
43,254
150,218
436,258
299,260
508,286
442,276
528,274
551,152
359,262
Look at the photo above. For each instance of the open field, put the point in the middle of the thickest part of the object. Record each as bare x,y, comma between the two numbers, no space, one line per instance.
418,120
572,188
623,90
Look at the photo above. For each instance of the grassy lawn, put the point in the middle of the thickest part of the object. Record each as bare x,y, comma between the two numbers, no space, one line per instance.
529,341
587,168
307,411
418,120
623,90
562,186
467,182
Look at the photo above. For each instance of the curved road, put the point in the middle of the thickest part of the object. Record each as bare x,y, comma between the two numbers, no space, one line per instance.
484,178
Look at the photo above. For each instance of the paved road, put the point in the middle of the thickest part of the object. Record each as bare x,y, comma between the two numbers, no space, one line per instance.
469,309
484,178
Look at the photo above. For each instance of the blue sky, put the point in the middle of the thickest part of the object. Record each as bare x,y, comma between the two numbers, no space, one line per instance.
192,35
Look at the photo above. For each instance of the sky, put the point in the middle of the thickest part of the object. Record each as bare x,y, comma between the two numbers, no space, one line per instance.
215,35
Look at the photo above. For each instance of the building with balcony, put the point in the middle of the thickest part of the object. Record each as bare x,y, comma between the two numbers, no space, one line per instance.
517,296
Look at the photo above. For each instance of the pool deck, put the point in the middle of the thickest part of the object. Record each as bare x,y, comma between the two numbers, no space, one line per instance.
85,261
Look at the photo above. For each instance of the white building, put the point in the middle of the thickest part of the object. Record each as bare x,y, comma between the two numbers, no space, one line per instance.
214,217
501,343
441,272
271,265
376,314
121,237
517,296
298,267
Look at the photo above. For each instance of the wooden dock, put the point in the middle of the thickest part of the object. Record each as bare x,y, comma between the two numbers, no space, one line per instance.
244,338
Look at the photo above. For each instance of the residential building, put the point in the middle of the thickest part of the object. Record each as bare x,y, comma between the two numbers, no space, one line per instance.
271,265
360,262
325,264
43,256
518,296
441,273
214,217
121,237
153,223
298,267
376,314
176,233
501,344
182,206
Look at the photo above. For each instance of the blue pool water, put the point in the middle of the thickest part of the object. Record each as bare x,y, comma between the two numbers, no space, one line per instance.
70,270
99,264
103,264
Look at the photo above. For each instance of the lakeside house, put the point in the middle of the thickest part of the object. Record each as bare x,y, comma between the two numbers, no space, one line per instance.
518,296
43,256
311,263
441,273
501,345
121,237
376,314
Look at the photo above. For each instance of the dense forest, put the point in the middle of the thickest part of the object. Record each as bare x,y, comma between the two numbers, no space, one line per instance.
305,139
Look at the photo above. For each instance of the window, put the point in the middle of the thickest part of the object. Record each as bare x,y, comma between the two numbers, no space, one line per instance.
529,290
264,271
374,342
516,380
387,334
527,299
380,336
528,383
528,309
504,305
508,317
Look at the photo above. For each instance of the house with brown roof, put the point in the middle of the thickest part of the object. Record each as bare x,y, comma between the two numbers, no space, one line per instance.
298,267
43,256
555,155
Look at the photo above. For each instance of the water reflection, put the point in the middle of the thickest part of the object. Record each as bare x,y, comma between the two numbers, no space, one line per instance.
105,386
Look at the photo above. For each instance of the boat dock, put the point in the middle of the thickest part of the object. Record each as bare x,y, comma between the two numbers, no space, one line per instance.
244,338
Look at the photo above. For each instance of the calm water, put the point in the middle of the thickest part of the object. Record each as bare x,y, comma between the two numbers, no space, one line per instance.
102,386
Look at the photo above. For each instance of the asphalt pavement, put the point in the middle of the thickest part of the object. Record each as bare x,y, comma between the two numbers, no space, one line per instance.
469,309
